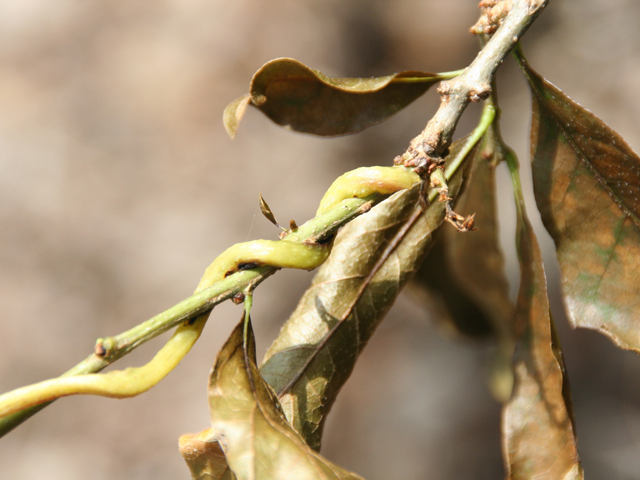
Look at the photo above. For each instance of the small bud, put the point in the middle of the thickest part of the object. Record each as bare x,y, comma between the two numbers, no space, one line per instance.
238,298
99,349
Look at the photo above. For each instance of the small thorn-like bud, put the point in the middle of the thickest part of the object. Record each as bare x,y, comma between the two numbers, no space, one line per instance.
99,349
444,88
483,94
238,298
267,212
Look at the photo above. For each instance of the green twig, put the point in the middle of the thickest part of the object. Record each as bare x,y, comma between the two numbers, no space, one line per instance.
486,120
110,349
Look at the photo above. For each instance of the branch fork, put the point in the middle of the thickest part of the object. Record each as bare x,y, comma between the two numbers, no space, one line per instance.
473,85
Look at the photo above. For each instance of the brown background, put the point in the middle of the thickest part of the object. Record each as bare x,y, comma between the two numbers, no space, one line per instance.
118,186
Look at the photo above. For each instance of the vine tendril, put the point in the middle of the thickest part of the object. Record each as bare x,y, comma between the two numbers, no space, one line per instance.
360,183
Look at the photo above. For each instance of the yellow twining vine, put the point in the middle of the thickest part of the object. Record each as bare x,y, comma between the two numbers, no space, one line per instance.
359,183
129,382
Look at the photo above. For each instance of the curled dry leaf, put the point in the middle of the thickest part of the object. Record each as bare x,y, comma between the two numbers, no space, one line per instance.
233,113
436,284
257,440
587,188
477,263
539,439
305,100
267,212
476,259
204,456
463,276
317,348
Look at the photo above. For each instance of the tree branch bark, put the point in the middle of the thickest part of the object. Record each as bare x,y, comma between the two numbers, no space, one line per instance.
473,85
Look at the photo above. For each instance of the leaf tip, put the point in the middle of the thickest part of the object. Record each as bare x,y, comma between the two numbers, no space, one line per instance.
233,114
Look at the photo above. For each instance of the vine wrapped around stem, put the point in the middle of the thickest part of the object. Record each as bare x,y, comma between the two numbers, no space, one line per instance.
238,274
237,271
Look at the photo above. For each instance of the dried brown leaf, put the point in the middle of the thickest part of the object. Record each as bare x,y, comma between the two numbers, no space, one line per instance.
233,114
463,277
305,100
538,432
267,212
204,456
320,343
438,290
257,440
476,258
587,187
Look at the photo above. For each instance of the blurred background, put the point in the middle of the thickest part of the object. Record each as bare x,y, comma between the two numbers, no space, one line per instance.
118,186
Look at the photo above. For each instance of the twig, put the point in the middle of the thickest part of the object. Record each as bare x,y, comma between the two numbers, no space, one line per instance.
472,86
110,349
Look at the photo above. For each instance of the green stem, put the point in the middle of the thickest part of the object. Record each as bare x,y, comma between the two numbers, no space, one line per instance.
248,303
507,153
486,119
111,349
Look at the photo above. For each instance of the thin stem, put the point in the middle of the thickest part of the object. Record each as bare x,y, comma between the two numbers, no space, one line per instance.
439,76
111,349
248,303
451,74
471,86
486,119
488,115
505,151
